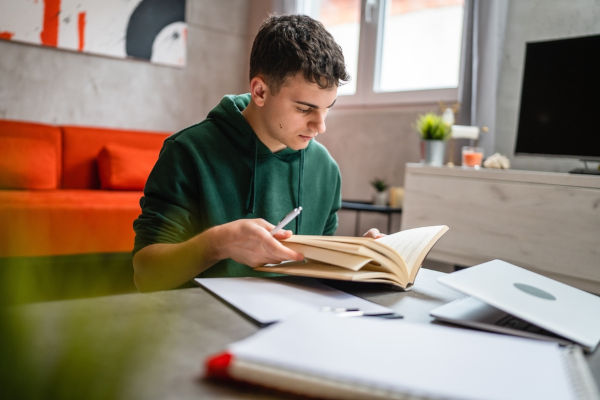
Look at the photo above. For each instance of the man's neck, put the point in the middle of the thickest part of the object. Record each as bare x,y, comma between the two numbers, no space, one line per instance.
256,123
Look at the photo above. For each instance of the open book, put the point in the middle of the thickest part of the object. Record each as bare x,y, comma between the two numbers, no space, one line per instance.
394,259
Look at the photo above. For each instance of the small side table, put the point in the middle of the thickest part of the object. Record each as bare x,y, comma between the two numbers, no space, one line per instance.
360,206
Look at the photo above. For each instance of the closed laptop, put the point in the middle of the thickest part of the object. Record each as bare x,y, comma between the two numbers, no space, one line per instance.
511,299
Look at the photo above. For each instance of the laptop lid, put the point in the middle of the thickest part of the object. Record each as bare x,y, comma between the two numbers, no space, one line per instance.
552,305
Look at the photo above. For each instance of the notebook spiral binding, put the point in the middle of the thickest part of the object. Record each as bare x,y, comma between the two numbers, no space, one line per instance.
584,386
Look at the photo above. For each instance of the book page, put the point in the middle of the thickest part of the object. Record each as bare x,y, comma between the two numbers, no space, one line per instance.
414,244
333,257
316,269
400,253
368,247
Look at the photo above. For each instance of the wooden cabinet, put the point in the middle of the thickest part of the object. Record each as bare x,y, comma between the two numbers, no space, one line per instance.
546,222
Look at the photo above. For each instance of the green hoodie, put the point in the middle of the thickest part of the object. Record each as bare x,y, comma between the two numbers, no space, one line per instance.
218,171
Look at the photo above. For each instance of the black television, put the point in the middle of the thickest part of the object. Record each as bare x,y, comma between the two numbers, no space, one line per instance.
559,112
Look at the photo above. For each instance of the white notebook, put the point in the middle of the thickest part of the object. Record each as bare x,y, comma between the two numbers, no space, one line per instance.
268,300
326,356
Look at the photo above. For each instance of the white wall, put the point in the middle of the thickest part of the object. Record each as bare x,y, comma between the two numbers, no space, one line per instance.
369,143
55,86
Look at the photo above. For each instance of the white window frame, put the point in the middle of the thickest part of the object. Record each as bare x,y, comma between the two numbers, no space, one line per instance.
372,15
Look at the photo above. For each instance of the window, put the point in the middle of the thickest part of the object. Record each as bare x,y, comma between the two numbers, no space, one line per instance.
396,51
342,20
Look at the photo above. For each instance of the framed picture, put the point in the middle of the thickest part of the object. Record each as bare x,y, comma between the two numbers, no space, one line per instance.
153,30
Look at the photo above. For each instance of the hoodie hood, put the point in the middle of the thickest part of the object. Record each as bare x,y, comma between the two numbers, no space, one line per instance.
228,115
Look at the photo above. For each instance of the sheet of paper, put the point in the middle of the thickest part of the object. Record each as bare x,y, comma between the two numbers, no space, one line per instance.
268,300
419,359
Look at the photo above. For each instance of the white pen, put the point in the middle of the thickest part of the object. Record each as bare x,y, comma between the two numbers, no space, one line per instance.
286,220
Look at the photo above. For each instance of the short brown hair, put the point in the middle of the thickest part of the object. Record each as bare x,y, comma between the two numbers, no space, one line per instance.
288,44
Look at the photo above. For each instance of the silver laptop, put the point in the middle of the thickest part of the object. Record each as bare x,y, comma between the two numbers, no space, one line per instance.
510,299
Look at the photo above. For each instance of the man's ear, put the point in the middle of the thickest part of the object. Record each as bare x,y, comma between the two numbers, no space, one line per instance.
258,90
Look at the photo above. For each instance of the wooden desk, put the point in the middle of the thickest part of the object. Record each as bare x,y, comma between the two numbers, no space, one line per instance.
178,329
360,206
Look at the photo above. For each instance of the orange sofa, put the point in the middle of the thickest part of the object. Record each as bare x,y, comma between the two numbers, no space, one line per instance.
71,190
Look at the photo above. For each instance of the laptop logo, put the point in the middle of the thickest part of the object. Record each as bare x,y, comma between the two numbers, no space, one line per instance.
532,290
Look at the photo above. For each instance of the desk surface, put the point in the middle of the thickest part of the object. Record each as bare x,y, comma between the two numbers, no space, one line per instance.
180,328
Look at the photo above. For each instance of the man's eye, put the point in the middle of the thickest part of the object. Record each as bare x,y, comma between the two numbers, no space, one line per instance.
303,110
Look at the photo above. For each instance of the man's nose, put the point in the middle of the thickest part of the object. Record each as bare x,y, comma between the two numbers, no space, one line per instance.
319,123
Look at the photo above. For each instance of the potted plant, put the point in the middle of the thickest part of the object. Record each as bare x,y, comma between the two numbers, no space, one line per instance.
434,131
380,196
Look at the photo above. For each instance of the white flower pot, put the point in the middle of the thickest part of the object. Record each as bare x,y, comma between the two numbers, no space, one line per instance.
435,152
380,198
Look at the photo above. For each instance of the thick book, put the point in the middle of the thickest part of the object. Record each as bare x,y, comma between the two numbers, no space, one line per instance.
393,259
326,356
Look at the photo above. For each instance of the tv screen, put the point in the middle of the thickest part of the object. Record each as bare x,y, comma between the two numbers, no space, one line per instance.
560,99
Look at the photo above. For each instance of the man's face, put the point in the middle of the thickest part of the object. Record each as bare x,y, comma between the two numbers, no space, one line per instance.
295,114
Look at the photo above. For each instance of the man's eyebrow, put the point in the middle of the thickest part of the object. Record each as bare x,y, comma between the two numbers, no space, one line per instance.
313,105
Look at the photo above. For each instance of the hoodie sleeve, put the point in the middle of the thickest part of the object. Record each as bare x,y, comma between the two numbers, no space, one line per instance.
169,203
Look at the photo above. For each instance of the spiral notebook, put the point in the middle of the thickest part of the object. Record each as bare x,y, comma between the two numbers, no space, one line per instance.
325,356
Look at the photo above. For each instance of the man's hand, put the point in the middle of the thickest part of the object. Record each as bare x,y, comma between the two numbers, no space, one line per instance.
373,233
249,242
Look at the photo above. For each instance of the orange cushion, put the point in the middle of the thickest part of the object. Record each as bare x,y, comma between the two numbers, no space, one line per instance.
48,134
82,145
27,164
125,167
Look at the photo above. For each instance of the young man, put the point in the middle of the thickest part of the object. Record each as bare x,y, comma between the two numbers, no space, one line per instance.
219,187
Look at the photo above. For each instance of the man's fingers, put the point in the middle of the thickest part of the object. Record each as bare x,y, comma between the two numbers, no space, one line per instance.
263,224
283,253
252,244
276,259
283,234
373,233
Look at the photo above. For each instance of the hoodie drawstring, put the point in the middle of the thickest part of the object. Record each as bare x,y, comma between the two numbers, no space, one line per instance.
299,195
251,200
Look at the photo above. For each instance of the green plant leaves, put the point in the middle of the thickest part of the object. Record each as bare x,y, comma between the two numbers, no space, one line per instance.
379,184
432,127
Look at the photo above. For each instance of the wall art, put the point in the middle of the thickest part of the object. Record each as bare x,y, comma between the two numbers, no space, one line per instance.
153,30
